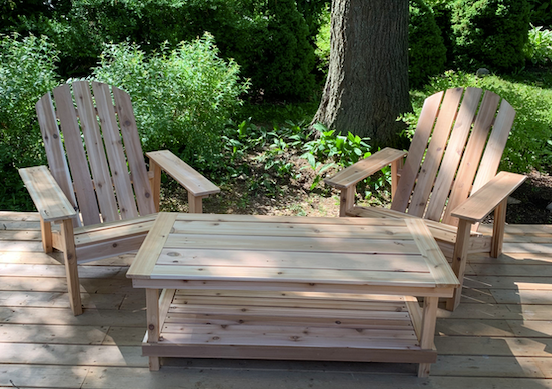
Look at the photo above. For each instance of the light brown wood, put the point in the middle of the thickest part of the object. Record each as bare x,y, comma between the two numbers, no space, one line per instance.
46,194
115,153
109,174
352,175
70,258
459,260
450,173
499,223
258,254
82,182
134,153
46,235
183,173
480,344
152,322
411,166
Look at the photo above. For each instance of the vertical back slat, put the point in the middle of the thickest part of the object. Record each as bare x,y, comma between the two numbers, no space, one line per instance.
95,150
416,152
54,148
75,152
472,155
134,153
453,153
113,145
495,145
435,150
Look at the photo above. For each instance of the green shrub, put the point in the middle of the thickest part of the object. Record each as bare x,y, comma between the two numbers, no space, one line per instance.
442,11
27,71
528,144
541,12
182,97
426,50
538,48
285,69
490,33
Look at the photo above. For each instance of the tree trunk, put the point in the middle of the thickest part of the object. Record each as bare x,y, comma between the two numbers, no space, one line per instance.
367,85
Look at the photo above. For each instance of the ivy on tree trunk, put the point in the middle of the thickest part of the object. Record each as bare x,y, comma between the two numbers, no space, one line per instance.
367,85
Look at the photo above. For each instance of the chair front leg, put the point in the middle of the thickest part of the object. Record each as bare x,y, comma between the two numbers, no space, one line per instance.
459,259
46,231
155,182
498,228
71,271
346,200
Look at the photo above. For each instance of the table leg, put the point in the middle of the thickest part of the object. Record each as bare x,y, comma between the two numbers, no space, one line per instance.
429,316
152,318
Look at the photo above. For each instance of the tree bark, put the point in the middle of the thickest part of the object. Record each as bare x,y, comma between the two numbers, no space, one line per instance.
367,85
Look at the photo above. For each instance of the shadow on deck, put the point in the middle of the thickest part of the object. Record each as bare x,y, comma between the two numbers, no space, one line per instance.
500,336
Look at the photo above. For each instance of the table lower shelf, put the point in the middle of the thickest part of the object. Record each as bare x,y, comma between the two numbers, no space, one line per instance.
289,325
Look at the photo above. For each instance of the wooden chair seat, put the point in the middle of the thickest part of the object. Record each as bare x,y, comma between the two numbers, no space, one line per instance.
449,177
97,188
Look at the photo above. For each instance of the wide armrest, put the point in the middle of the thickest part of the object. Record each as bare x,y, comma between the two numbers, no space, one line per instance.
485,200
184,174
359,171
49,199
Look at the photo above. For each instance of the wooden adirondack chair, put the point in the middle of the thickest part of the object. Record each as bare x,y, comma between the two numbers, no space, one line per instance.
437,178
104,198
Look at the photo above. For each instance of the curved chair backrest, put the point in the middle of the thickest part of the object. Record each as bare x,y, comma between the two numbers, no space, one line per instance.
452,153
96,158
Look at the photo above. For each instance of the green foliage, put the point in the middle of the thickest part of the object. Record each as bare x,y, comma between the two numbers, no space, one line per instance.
330,149
442,11
541,12
490,33
426,50
182,97
528,145
286,66
538,48
323,41
27,71
261,155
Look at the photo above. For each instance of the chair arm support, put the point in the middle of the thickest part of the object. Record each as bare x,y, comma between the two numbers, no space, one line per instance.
488,197
359,171
195,184
49,199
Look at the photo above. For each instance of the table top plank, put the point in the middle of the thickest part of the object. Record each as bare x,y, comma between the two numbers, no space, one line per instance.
292,259
438,265
151,248
331,276
276,243
355,254
396,231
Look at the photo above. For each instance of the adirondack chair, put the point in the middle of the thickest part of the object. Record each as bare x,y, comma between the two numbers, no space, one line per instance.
452,181
110,203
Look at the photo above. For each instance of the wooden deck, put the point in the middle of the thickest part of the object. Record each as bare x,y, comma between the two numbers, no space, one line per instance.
500,336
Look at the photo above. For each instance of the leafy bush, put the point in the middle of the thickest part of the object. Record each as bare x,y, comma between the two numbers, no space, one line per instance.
27,71
426,50
541,12
182,98
285,69
538,48
490,33
528,146
442,11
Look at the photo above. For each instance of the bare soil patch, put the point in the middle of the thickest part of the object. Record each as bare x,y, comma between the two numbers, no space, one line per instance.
294,197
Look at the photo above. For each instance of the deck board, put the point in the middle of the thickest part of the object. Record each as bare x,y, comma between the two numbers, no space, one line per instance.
500,335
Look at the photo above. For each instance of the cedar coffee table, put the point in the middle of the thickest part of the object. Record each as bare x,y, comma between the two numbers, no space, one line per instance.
296,288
